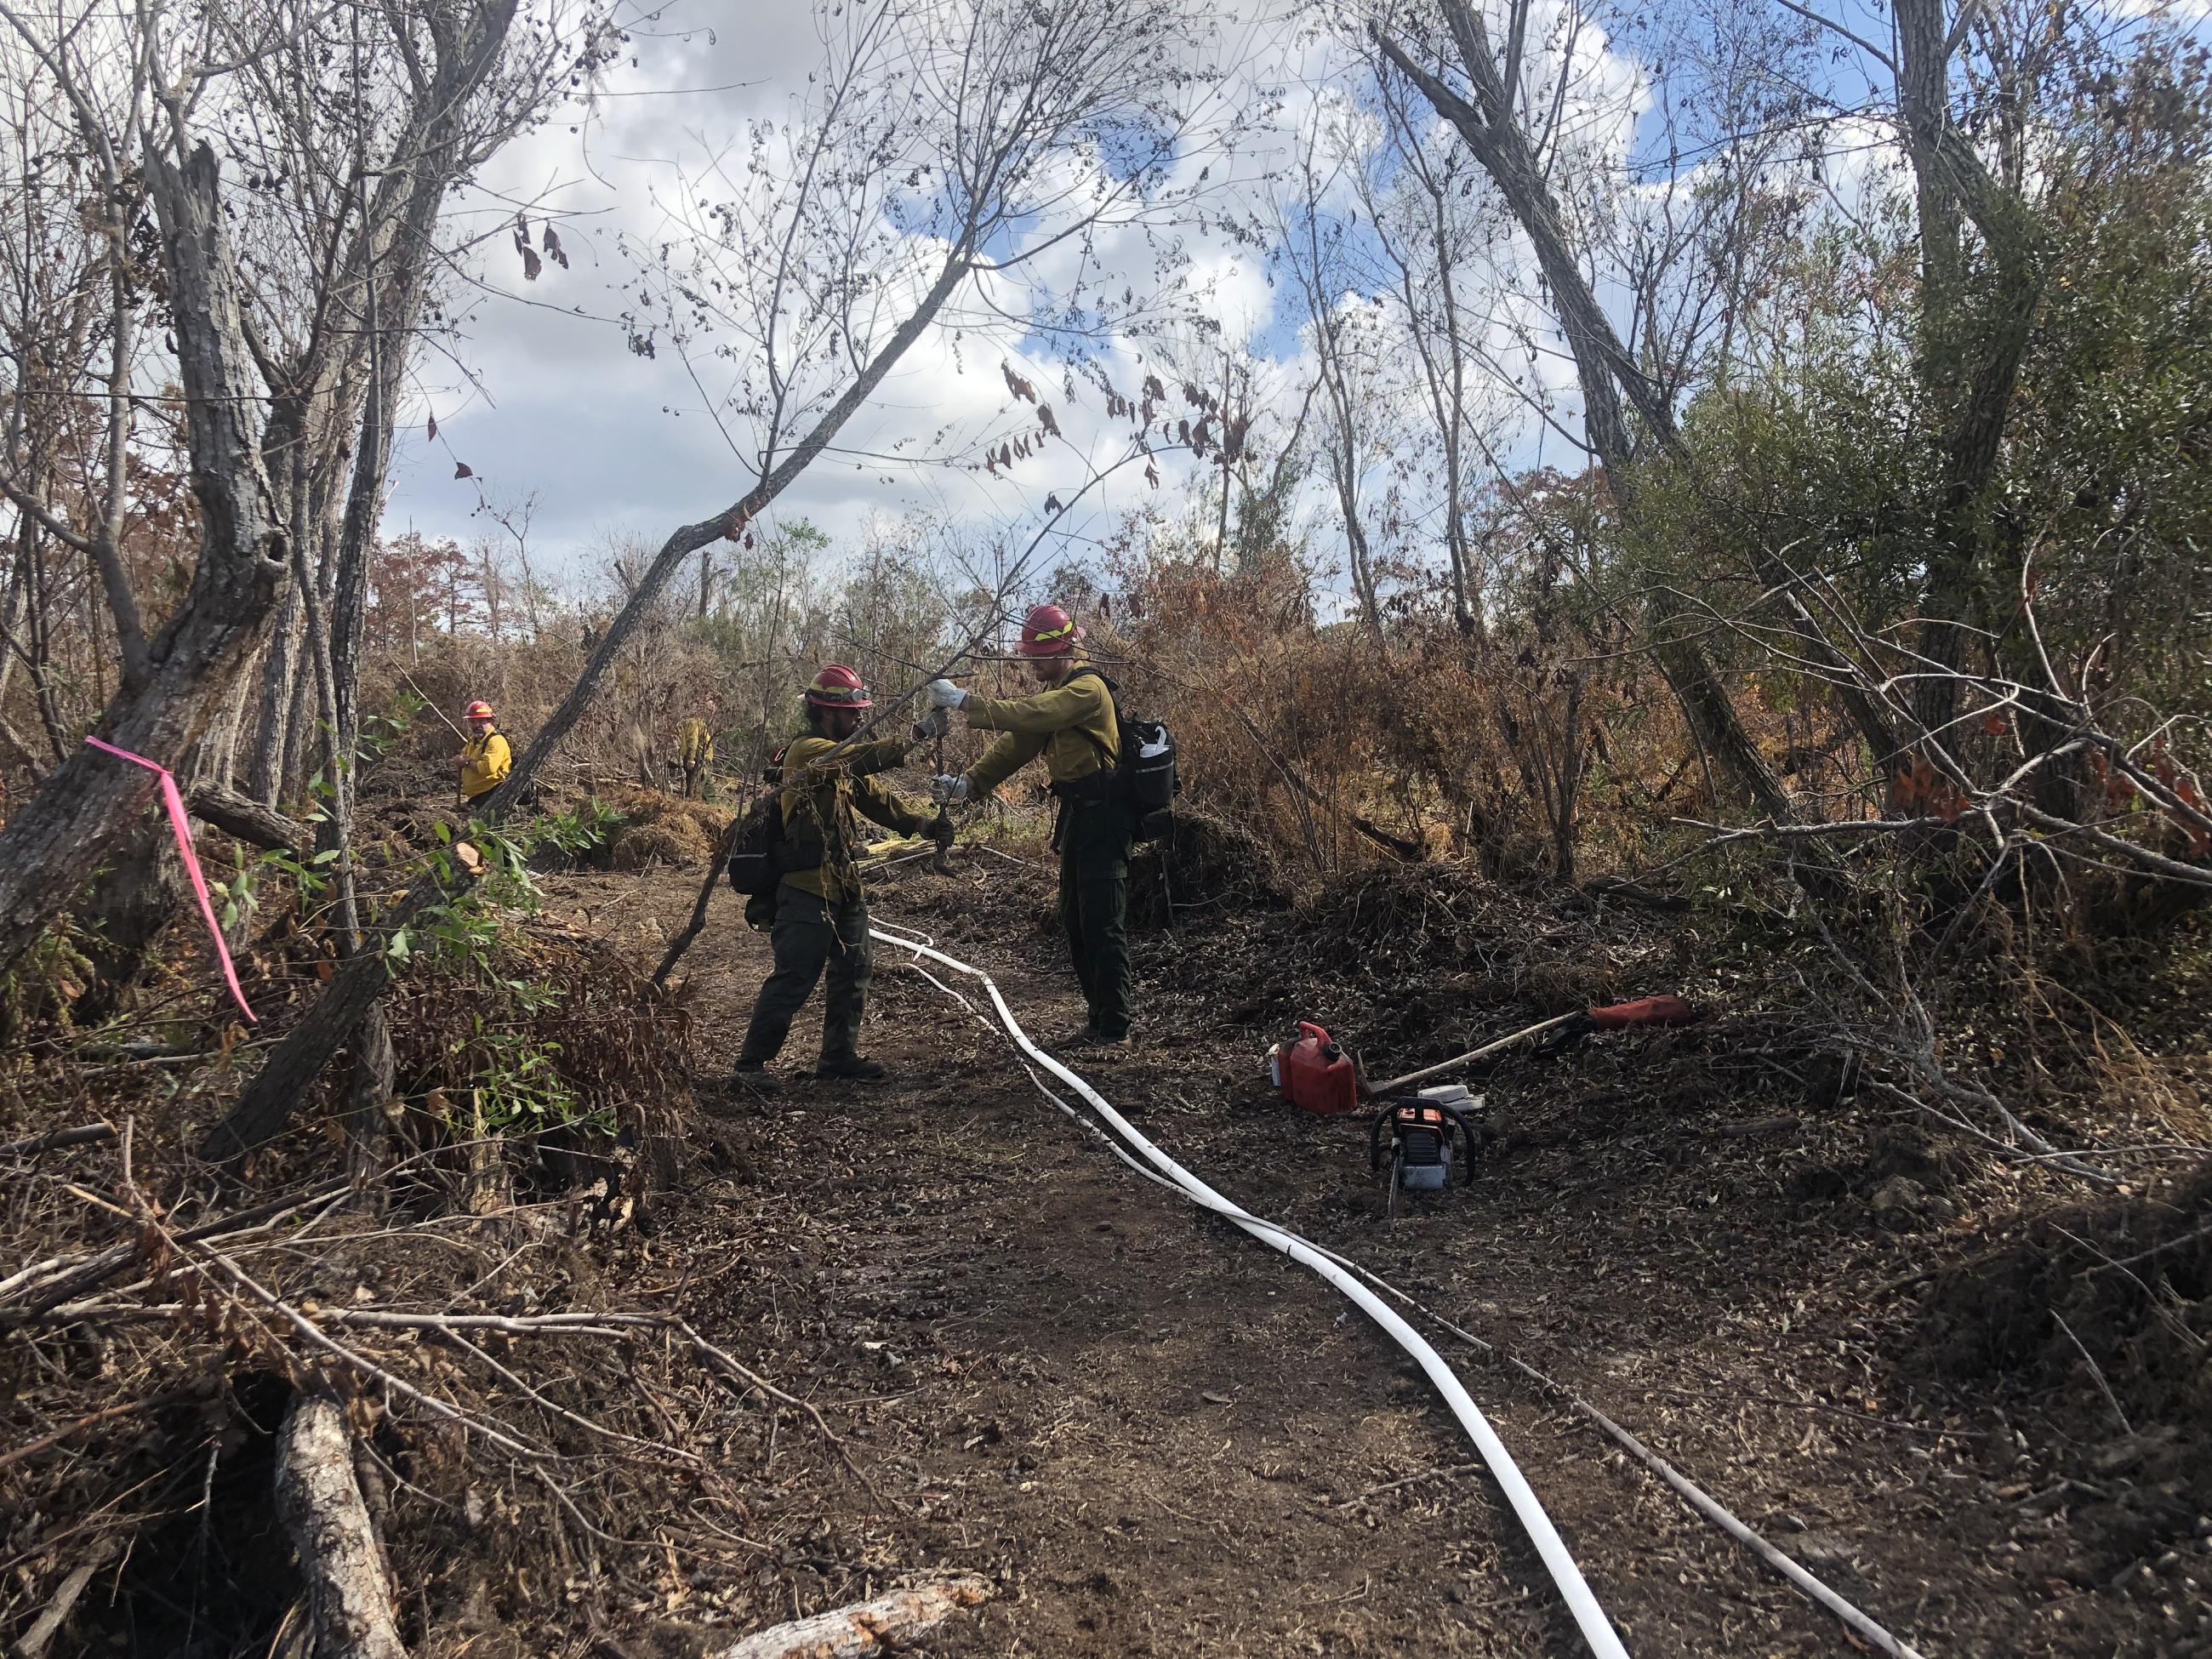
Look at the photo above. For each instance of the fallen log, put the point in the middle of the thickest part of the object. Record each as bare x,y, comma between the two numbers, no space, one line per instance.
348,1590
53,1140
249,820
866,1627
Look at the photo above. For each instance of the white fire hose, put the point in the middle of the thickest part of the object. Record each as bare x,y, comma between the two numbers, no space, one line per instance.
1338,1270
1597,1629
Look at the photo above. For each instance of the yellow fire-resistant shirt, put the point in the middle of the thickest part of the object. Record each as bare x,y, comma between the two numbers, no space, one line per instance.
485,762
1070,726
821,807
694,744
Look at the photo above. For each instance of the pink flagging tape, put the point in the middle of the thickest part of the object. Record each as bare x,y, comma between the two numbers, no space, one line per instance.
183,830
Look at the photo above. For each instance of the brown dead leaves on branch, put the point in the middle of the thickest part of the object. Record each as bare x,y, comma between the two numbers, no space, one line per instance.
1224,446
1920,791
531,264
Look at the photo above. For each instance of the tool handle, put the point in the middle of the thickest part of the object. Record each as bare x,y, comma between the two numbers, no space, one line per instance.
1467,1142
1390,1085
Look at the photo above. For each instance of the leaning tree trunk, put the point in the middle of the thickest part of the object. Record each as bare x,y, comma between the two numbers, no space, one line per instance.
268,1102
87,807
122,915
126,914
1611,381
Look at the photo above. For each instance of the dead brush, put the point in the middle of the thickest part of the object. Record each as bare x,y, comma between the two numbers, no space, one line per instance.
526,1452
606,1055
1204,866
1338,745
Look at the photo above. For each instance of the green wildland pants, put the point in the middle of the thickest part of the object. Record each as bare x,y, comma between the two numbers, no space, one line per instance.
808,937
1095,837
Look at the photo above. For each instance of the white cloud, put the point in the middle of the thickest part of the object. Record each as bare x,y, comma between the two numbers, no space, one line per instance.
604,438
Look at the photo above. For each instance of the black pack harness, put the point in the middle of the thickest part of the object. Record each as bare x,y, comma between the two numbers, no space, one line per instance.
1142,777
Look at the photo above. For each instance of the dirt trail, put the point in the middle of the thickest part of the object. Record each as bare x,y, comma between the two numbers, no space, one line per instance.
1164,1439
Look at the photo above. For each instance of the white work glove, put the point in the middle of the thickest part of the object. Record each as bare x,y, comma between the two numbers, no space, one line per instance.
935,724
948,791
943,694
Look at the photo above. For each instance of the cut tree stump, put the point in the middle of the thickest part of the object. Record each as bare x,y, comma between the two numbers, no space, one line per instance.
865,1628
349,1589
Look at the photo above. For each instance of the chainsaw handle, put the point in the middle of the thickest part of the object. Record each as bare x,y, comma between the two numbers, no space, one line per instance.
1386,1117
1468,1141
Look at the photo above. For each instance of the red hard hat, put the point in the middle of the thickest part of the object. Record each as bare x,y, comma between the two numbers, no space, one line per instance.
478,710
1048,631
838,687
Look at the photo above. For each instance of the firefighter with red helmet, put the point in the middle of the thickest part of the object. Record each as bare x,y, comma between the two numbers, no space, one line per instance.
820,919
485,757
1072,723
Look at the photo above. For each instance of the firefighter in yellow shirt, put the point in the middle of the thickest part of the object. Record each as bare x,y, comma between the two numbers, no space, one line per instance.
1072,725
695,754
821,915
485,759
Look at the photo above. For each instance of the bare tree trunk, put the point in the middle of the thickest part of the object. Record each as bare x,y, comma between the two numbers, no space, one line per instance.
219,765
265,773
1970,360
74,823
299,729
348,1584
1605,371
13,611
1355,536
268,1102
39,660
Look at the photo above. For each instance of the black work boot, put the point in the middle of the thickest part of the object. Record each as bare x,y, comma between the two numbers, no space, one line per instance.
1097,1044
755,1075
851,1068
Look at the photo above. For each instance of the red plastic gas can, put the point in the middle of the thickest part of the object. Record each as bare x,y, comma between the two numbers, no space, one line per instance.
1318,1075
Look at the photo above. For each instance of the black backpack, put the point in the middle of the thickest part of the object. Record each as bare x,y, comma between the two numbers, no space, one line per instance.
757,854
1146,776
760,856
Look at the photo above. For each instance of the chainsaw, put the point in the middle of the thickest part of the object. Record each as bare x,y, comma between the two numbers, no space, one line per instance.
1421,1133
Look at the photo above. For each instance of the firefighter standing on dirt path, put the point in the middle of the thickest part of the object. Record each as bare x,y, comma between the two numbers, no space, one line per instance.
821,915
485,759
694,757
1073,723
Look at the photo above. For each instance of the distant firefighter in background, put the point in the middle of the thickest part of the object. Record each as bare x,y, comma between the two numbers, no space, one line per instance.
694,754
485,757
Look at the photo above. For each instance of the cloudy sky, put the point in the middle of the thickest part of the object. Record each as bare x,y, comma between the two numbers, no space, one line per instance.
543,399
